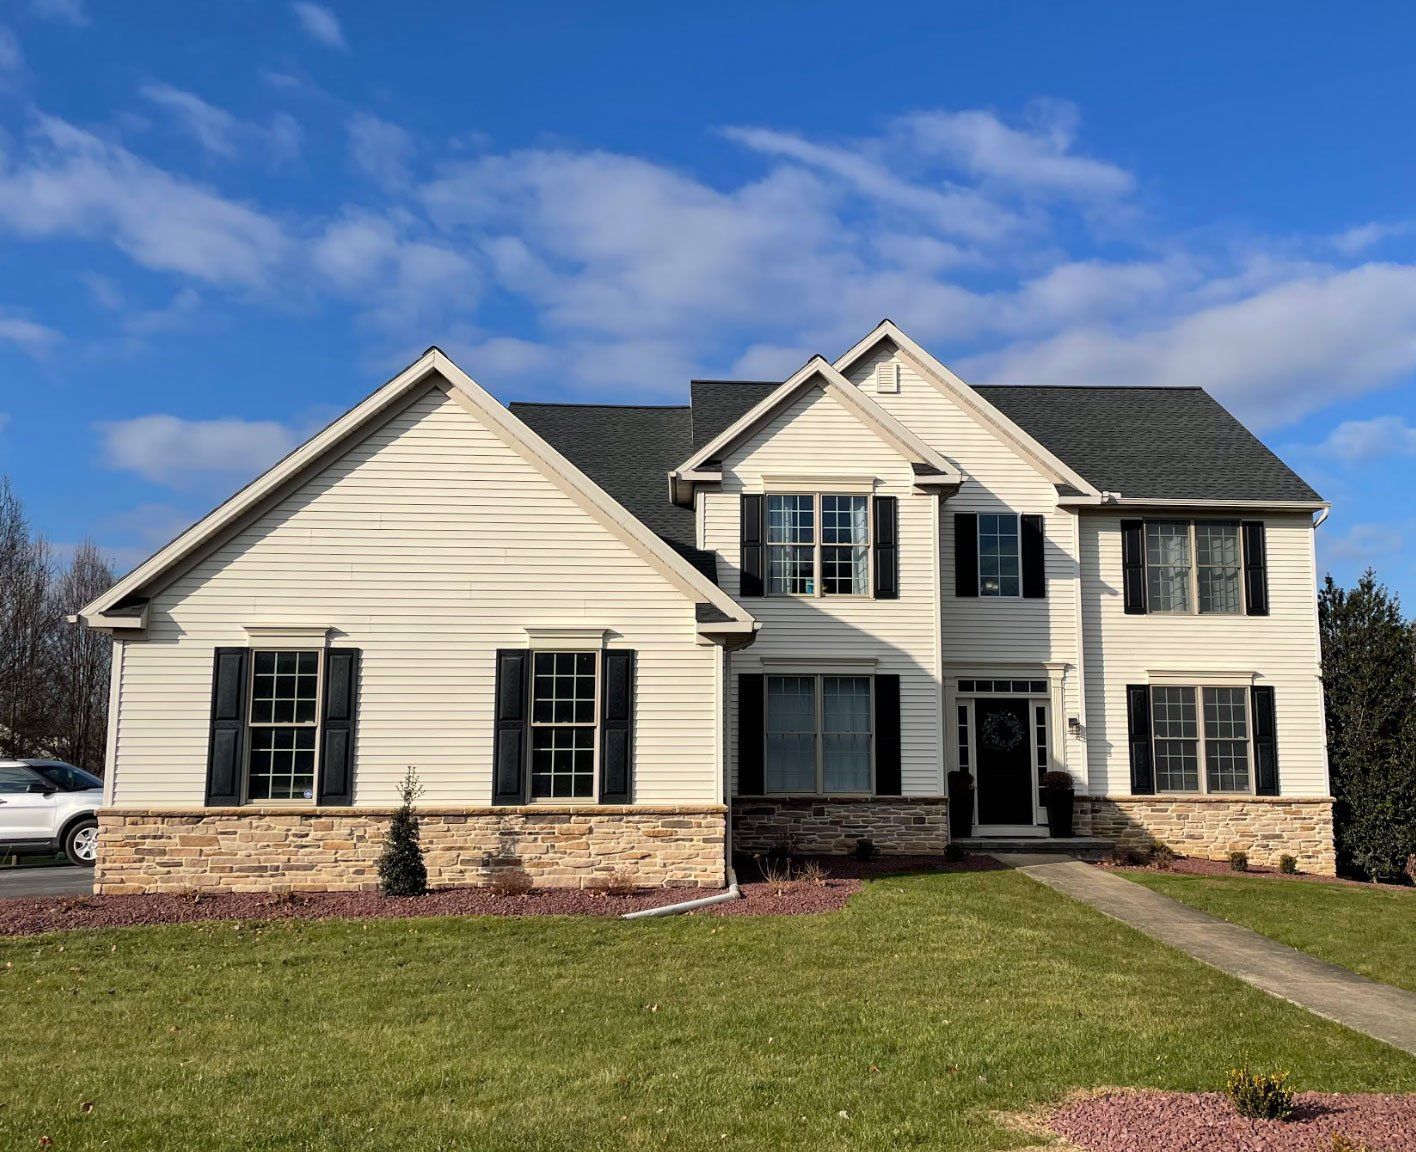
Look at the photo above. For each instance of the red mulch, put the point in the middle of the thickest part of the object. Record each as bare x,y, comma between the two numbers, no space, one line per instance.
29,916
1195,866
1207,1122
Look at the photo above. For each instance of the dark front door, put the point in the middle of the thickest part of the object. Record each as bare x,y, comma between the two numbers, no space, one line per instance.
1005,782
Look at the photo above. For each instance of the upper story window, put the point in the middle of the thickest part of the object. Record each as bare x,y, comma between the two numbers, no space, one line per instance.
834,561
1193,565
283,725
999,555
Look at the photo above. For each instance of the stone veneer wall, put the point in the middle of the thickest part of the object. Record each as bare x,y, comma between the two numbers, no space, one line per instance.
1212,827
337,849
832,825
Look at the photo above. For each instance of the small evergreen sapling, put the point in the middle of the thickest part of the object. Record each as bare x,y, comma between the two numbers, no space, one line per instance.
401,868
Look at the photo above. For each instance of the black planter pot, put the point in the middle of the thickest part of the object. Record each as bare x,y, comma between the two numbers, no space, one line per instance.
961,805
1059,812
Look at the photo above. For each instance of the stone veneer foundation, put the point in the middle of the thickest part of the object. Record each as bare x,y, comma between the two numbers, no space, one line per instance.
832,824
1211,827
337,849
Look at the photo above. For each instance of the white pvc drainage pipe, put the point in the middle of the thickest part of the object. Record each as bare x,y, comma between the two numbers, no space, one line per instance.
690,905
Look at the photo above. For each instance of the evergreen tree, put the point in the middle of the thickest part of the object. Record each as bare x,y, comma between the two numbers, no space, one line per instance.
1369,683
401,868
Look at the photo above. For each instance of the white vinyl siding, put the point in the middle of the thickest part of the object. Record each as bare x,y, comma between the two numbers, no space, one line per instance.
815,434
1280,650
429,545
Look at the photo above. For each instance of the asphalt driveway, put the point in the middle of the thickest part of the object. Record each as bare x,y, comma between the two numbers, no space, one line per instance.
42,880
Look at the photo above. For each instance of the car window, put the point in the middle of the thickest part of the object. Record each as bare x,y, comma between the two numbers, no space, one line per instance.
15,778
67,778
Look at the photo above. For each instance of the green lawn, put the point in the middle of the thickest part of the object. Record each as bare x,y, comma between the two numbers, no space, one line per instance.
1368,929
927,1004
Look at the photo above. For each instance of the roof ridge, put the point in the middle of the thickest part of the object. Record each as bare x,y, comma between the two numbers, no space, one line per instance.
593,404
719,380
1099,387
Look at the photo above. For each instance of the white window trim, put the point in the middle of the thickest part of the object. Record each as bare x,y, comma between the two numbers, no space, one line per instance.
287,637
965,701
565,638
1201,753
818,741
532,724
978,554
1194,566
818,583
299,801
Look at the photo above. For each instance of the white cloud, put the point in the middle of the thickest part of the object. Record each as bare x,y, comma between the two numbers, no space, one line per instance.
380,149
170,450
33,338
12,58
320,24
71,183
284,138
1358,441
1273,355
1363,543
504,357
212,127
1039,159
1359,239
67,11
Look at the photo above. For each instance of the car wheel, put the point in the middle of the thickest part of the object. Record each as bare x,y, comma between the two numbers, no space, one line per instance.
81,843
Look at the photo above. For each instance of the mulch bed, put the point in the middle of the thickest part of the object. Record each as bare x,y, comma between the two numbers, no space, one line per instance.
30,916
1207,1122
1194,866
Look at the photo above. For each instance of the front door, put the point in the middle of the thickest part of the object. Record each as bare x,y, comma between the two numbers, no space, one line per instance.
1005,763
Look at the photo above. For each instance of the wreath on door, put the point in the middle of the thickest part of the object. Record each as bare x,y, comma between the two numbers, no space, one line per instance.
1002,731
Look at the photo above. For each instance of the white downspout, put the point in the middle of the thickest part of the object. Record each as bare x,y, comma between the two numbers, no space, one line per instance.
732,892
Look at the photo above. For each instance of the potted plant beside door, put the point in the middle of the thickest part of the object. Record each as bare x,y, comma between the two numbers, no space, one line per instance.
1057,788
961,805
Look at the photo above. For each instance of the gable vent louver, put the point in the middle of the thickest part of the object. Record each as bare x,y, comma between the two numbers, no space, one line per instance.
887,376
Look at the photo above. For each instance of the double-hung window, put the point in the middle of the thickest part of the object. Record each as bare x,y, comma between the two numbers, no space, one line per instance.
563,727
1191,726
1192,564
999,555
834,561
819,734
283,725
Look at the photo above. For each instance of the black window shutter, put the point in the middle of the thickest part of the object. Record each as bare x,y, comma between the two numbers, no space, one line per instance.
512,705
226,748
341,704
617,727
1265,740
1034,565
752,734
1133,566
1255,569
965,553
1138,729
754,560
887,548
887,736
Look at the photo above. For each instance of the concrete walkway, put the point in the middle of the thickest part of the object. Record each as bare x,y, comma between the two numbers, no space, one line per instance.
1379,1010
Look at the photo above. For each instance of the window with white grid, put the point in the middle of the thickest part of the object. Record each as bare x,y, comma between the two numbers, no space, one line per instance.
845,539
1175,730
999,563
819,734
284,725
1227,739
791,545
1168,565
1217,566
563,725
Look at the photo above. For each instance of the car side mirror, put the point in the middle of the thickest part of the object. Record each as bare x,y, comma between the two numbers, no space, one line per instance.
41,790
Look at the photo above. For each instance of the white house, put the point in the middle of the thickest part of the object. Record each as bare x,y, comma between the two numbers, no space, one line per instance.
618,642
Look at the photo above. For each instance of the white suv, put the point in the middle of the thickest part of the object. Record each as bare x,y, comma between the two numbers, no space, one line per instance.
48,806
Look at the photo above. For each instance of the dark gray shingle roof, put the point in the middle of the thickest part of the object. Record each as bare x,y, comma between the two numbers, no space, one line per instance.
717,404
1161,443
628,451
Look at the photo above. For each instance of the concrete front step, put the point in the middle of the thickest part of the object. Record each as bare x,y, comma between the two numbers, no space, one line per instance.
1081,847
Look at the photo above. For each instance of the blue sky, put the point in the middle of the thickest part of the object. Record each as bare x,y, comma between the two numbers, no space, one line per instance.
221,224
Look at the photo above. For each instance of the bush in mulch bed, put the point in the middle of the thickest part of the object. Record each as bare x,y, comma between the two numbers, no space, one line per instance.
1124,1121
828,893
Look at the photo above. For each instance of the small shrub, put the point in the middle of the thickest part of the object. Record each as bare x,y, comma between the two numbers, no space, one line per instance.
813,872
1162,856
1058,782
1260,1095
954,852
510,882
1287,864
1410,868
1341,1142
865,849
775,872
401,868
1239,861
621,884
1126,858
